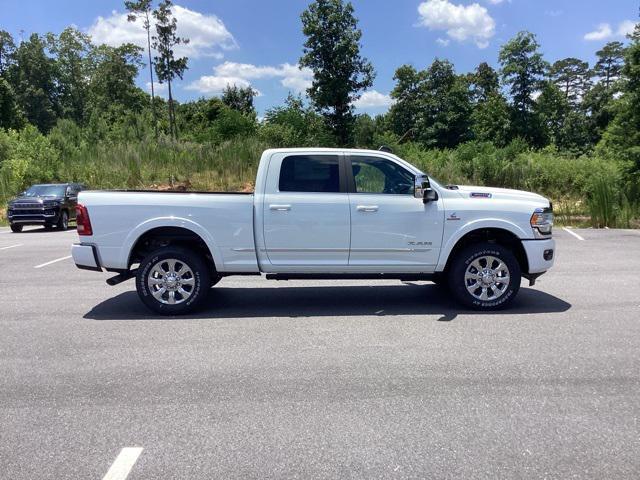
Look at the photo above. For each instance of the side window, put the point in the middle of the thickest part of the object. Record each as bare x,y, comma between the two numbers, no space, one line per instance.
310,173
379,175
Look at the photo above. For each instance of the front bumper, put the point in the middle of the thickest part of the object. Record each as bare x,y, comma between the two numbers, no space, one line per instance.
85,257
540,254
33,216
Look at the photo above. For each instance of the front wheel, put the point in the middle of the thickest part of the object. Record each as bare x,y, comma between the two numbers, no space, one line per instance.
16,228
172,281
63,222
485,276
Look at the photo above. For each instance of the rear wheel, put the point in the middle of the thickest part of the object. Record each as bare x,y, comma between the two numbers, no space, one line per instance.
16,228
172,281
485,276
63,222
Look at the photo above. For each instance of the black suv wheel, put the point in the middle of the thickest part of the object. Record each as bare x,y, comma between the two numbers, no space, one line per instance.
63,221
485,276
173,281
16,228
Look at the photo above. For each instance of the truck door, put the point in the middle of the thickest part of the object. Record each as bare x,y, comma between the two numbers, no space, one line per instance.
306,211
390,228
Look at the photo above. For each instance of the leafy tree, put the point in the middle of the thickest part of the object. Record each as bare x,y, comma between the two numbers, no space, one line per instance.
404,112
575,136
490,120
523,68
364,131
113,82
610,62
622,138
485,82
33,78
294,125
141,9
239,98
340,73
572,76
445,107
167,66
7,49
599,107
552,108
10,114
74,68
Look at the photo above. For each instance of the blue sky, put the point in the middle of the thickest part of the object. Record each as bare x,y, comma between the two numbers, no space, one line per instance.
259,42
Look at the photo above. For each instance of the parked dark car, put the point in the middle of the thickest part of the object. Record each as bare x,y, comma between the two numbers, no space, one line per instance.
50,205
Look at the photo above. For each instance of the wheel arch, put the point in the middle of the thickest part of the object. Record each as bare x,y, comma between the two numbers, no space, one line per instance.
178,232
499,235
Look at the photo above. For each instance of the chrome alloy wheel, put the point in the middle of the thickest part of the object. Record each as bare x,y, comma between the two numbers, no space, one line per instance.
487,278
171,281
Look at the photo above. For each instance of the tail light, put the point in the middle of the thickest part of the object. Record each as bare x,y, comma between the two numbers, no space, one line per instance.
83,221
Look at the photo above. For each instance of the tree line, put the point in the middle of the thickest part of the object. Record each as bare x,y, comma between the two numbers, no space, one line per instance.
576,107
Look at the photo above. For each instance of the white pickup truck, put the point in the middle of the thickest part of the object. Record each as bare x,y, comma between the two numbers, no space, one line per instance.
319,214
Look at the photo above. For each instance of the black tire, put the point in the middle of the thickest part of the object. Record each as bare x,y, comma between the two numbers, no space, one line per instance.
199,289
63,221
440,280
506,292
16,228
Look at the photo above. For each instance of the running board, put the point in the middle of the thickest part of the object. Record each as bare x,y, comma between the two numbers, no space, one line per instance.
122,277
405,277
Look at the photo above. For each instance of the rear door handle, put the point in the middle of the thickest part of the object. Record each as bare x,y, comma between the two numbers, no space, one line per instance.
367,208
280,208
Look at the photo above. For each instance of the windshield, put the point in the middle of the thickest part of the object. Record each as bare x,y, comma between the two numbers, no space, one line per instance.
45,191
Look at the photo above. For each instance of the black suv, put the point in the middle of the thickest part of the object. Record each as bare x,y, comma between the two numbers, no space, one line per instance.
48,205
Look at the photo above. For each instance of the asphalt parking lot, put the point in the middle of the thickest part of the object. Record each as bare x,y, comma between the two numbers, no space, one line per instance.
320,379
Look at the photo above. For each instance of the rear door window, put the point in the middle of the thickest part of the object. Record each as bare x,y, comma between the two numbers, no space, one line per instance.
310,173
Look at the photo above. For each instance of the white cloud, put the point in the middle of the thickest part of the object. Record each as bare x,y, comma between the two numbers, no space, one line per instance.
459,21
372,99
212,84
605,31
207,34
626,28
443,42
159,89
241,74
495,2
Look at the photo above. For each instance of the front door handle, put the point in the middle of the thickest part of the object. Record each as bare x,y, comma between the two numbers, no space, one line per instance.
367,208
280,208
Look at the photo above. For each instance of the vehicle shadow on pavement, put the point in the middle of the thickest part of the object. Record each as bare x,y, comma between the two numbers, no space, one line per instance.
321,301
45,230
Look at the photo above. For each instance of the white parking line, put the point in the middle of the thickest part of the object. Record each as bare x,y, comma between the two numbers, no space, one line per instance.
53,261
123,463
11,246
573,233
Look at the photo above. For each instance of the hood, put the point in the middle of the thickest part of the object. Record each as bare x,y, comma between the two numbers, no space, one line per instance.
467,191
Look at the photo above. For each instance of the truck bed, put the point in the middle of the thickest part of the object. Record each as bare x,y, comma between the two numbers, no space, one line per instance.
223,220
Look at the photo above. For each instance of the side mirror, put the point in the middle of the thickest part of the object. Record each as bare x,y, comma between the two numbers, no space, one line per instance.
421,184
423,189
430,195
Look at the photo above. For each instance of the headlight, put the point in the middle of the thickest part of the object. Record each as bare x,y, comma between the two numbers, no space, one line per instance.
542,220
